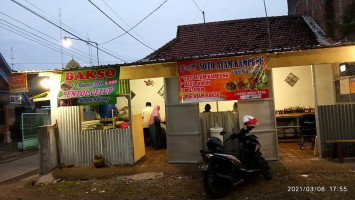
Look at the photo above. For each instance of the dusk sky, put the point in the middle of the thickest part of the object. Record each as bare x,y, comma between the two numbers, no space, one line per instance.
36,40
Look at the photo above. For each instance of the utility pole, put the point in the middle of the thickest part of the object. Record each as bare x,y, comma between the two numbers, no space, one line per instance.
60,34
12,59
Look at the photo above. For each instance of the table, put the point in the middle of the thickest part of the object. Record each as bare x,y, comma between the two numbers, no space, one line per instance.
288,121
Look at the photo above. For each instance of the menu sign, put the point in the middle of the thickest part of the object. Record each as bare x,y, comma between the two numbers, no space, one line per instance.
18,83
89,86
232,78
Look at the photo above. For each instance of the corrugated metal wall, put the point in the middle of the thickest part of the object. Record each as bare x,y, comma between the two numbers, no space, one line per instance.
337,122
79,147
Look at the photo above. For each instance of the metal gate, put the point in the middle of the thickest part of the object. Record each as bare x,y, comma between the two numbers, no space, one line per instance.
183,126
29,127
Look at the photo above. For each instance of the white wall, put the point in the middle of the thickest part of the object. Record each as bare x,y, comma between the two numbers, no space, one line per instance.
146,93
301,94
325,84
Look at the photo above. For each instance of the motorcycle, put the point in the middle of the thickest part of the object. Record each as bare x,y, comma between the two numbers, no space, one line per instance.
223,170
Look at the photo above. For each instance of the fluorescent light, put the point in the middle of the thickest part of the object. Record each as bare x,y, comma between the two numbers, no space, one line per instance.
342,68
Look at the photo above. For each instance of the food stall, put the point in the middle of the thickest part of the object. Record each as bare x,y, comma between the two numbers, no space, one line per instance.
91,107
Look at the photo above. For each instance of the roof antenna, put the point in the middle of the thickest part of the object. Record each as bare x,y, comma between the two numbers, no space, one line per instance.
203,12
267,24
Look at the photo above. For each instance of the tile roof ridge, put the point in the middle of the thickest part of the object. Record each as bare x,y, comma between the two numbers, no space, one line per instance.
236,20
317,30
162,48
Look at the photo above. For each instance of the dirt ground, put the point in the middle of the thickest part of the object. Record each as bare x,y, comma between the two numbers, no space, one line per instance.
312,179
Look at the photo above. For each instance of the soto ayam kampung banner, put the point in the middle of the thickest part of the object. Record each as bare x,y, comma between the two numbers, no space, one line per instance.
92,86
233,78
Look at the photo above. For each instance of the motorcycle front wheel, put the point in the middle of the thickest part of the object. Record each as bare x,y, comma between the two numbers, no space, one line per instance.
265,169
215,186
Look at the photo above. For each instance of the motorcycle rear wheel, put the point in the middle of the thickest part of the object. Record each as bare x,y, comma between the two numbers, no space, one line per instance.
214,186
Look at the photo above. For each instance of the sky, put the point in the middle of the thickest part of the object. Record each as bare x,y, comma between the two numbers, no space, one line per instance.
36,44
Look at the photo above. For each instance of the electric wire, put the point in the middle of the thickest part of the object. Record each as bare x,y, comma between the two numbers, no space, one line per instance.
39,41
119,26
53,18
60,22
45,45
203,12
197,6
37,30
136,24
37,36
72,34
83,54
90,51
124,23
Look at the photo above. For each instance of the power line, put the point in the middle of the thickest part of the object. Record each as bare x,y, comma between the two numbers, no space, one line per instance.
119,26
36,37
53,18
124,23
203,12
197,6
72,34
38,42
60,24
136,24
38,31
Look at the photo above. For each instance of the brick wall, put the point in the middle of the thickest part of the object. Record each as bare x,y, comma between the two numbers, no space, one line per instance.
316,9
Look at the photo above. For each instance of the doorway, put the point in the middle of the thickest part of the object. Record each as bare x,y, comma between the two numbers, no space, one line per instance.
150,90
295,112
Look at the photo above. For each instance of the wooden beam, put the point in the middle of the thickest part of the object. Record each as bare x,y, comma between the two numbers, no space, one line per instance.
149,71
312,57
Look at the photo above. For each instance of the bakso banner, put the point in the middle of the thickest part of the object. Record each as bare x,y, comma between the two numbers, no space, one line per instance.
92,86
233,78
18,83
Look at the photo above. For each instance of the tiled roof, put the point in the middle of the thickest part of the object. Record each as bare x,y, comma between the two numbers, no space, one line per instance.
232,37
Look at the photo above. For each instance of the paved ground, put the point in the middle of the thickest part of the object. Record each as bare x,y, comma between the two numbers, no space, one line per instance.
14,163
18,167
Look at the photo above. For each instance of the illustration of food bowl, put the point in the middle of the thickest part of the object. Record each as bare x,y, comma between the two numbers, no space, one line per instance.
231,86
67,85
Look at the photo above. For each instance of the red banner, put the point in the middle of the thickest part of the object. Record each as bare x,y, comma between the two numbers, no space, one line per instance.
18,83
233,78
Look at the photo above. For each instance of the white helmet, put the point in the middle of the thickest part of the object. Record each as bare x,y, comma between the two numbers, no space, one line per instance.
250,121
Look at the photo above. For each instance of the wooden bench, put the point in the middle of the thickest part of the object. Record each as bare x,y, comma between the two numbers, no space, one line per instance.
338,150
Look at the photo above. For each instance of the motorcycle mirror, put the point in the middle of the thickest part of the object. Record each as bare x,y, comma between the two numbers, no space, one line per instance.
223,133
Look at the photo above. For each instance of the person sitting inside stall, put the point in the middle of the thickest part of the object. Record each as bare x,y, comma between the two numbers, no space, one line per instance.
207,108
